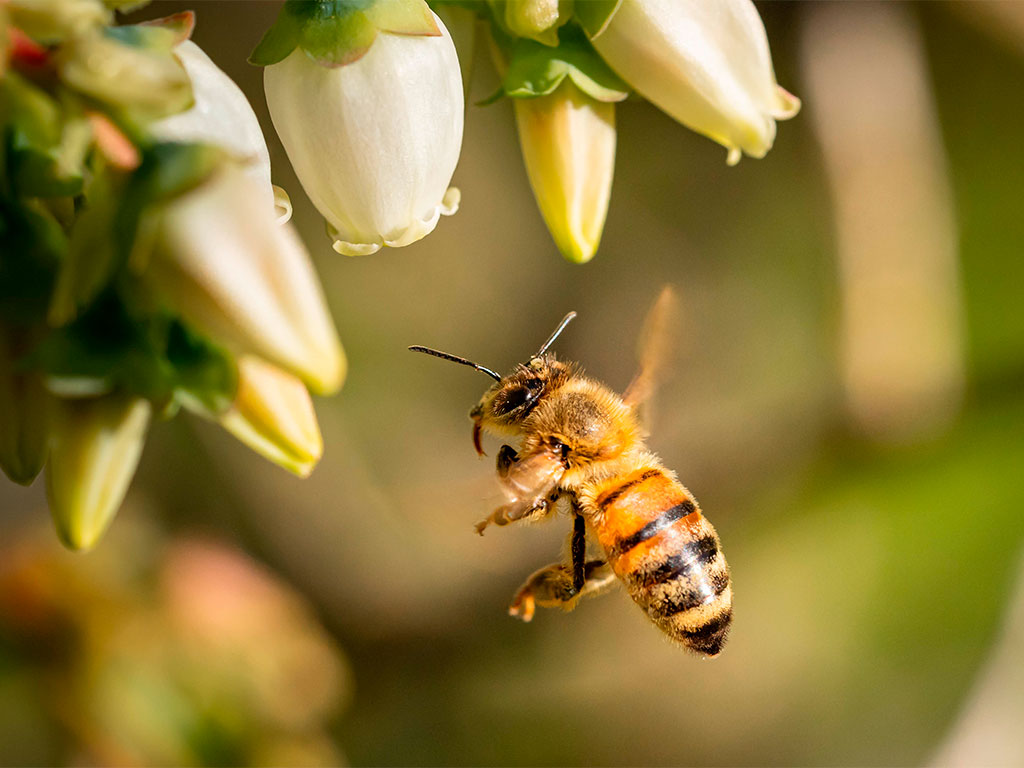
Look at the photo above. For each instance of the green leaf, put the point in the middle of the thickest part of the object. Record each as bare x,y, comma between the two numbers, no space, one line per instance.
595,15
537,70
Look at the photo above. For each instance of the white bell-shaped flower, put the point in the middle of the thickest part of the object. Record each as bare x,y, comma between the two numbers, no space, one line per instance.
706,63
374,142
221,115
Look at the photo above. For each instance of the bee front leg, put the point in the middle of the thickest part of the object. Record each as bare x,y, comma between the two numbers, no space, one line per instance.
552,587
514,512
507,456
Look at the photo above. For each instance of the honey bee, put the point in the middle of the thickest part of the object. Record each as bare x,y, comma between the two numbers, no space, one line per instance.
582,442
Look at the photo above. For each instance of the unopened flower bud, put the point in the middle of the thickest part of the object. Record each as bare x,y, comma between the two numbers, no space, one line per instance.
95,449
705,63
375,141
246,281
274,416
568,144
537,19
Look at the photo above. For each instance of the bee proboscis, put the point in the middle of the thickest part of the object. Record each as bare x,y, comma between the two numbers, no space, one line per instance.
582,442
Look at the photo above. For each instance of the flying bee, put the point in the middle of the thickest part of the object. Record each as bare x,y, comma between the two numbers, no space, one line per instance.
582,442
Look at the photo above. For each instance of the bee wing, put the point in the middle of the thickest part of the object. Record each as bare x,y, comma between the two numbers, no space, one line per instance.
655,347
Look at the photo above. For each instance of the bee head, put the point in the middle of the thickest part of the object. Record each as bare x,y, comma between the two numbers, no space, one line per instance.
508,402
505,406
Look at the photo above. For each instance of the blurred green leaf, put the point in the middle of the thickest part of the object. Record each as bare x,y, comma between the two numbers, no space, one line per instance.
109,348
33,245
206,376
45,147
112,229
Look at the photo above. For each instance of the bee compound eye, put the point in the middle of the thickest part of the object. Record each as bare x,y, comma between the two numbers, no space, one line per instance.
510,400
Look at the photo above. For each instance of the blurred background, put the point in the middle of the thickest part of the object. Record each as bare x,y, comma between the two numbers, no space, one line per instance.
847,404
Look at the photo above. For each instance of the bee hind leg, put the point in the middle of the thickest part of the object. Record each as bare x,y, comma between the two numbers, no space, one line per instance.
553,587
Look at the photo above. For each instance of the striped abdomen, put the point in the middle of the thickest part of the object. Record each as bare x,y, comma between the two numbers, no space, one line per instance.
668,555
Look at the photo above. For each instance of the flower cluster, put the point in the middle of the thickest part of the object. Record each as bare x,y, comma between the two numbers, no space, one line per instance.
374,85
565,64
144,267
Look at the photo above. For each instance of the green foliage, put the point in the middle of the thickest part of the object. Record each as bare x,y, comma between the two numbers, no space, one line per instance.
153,355
44,143
78,230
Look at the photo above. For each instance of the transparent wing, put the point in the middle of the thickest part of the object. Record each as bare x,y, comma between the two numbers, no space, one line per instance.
655,347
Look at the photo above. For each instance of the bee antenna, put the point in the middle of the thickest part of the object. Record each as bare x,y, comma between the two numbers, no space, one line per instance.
551,339
456,359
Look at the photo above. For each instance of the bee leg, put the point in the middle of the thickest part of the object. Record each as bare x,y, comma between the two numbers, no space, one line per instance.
552,587
511,513
578,547
507,456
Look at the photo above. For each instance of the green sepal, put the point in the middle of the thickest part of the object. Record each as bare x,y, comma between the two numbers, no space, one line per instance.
403,17
334,39
334,33
536,70
148,37
595,15
157,34
277,42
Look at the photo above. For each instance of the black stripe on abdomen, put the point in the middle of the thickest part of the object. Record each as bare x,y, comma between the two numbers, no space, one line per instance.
696,553
709,638
690,592
660,523
604,501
